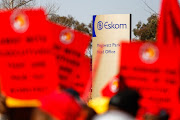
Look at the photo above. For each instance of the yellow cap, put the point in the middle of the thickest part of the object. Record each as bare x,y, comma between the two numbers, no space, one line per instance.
100,105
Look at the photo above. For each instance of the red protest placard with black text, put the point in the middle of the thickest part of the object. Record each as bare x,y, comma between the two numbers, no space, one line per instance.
153,71
28,67
69,49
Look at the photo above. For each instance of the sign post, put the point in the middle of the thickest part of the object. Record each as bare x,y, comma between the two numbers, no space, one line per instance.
108,31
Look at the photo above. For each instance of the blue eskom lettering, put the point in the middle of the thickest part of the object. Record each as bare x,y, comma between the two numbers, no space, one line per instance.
110,25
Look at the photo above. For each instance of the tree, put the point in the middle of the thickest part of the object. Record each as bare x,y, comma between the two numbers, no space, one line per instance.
51,9
147,31
69,21
14,4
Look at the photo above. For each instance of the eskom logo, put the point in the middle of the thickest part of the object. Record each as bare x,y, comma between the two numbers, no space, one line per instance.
110,25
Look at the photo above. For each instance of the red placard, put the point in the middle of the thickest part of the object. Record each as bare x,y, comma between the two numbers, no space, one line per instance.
70,47
28,67
81,79
153,71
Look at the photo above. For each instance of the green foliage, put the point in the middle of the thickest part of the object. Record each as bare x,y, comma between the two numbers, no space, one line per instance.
69,21
147,31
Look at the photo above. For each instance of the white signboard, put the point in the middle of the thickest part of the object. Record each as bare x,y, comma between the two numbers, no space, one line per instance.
108,32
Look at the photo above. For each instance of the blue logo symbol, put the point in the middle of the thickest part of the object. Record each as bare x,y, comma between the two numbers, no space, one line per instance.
100,25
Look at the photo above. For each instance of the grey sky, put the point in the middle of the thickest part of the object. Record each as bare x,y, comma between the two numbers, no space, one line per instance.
83,10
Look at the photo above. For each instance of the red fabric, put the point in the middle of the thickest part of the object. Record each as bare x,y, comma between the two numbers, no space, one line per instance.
61,105
169,25
112,87
169,32
95,66
28,69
